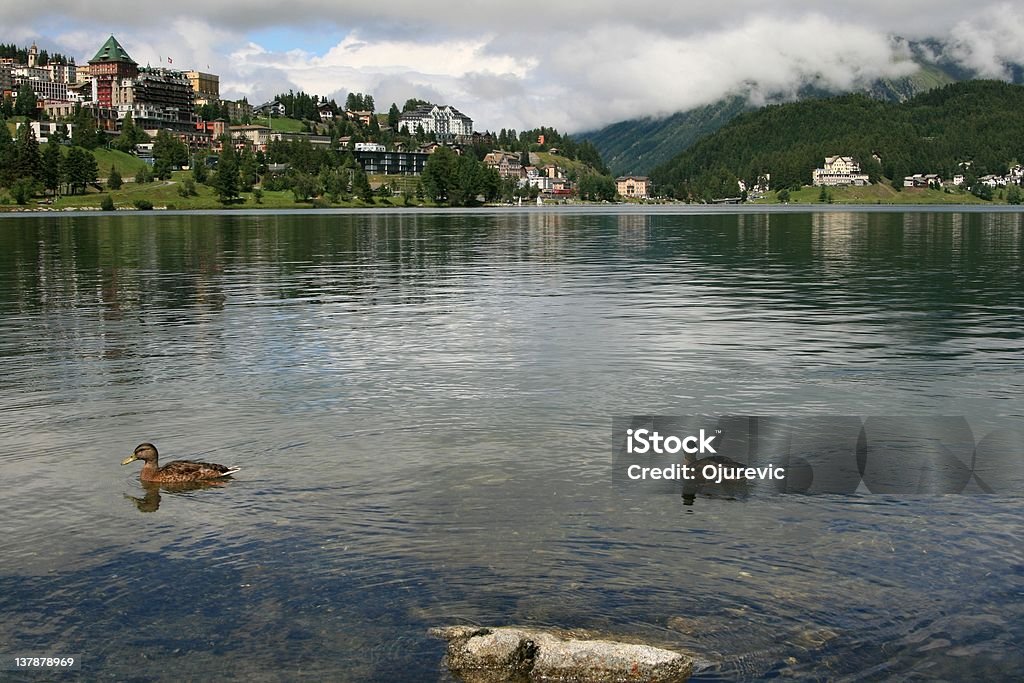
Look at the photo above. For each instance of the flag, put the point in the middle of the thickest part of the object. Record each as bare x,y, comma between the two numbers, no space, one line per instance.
170,61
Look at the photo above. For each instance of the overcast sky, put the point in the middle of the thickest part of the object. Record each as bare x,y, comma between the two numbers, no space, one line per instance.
570,64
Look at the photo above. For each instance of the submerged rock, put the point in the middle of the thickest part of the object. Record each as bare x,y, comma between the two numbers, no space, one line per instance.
495,655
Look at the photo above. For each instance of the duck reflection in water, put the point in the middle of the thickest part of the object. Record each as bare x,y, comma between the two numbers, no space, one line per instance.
728,489
150,502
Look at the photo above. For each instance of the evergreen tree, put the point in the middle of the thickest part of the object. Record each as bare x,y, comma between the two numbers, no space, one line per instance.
7,155
438,174
393,116
130,136
199,170
361,185
51,168
248,170
114,180
27,160
80,169
25,103
226,181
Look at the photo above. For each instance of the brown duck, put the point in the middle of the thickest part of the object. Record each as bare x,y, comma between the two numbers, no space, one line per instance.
177,471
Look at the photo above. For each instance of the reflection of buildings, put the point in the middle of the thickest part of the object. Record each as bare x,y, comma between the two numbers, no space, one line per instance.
634,232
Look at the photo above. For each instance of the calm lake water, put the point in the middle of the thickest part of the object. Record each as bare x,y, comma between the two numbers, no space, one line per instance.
421,405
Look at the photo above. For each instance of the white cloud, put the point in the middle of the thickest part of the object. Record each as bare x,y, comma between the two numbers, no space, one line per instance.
572,64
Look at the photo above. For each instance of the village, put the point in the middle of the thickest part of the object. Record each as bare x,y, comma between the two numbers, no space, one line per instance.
115,95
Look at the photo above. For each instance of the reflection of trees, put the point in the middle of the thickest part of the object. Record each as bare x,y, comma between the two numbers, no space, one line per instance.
177,270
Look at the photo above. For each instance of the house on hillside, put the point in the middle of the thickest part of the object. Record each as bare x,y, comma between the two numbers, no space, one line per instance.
837,171
507,165
326,111
923,180
275,108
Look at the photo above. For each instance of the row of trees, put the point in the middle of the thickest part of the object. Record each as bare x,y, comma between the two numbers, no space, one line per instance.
932,133
20,55
27,171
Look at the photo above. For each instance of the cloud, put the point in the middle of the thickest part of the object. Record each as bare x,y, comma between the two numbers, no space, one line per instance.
573,65
990,42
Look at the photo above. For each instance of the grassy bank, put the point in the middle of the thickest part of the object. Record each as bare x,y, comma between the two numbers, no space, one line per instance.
880,193
165,194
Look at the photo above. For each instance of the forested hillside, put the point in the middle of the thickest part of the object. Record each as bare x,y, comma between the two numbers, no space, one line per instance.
978,121
638,145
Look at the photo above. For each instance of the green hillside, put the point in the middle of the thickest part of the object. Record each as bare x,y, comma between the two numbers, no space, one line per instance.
931,133
639,145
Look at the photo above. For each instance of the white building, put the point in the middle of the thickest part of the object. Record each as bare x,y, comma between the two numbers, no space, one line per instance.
370,147
839,170
441,120
44,129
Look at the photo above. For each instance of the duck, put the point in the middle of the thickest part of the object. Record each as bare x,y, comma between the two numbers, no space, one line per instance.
177,471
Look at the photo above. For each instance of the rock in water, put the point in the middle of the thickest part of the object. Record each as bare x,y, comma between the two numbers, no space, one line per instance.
496,655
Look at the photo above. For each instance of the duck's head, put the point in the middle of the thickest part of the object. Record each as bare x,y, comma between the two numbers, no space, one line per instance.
144,451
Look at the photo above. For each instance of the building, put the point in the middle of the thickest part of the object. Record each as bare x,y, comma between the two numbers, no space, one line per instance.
369,147
6,82
255,137
634,187
44,88
63,73
275,108
326,111
443,121
238,111
392,163
839,170
923,180
362,117
109,66
204,86
44,129
156,98
507,165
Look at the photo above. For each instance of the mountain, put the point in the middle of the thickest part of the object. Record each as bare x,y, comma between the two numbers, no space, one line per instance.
933,132
639,145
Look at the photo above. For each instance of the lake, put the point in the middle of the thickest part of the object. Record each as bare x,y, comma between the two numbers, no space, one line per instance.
421,404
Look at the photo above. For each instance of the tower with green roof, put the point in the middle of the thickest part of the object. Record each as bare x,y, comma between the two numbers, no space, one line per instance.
113,60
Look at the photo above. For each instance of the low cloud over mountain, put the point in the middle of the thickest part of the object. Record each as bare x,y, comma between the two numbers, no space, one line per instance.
575,65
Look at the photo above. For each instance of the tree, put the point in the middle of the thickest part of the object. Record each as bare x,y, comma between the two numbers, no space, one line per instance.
130,135
438,173
7,156
304,187
162,169
27,160
23,189
393,116
51,168
248,170
226,181
169,148
107,204
361,185
199,171
25,104
80,169
114,180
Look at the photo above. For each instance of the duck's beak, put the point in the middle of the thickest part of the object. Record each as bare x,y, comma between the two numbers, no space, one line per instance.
130,458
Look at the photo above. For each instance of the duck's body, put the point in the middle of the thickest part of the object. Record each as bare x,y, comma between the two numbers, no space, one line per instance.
178,471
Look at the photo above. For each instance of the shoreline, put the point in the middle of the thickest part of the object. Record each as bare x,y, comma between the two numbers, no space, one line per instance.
667,208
